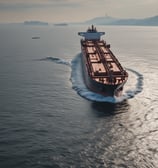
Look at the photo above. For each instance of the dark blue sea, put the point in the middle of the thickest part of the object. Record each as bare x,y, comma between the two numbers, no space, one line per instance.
49,119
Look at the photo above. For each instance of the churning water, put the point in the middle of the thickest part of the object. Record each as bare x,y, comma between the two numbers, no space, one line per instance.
48,118
78,83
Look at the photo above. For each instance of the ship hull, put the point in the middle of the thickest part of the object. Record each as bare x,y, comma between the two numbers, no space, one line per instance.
102,71
99,88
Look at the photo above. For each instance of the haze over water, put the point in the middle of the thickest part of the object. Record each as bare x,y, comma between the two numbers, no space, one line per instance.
49,119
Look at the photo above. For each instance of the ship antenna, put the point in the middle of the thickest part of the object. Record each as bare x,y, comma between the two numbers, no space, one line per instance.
92,27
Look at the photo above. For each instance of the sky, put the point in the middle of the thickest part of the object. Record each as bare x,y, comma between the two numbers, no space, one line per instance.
74,10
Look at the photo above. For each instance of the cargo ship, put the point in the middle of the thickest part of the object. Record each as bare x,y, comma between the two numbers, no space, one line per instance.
103,74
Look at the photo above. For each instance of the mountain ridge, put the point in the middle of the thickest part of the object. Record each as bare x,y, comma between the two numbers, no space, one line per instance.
108,20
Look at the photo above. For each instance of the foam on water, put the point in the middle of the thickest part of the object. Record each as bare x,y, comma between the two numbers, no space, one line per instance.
56,60
133,86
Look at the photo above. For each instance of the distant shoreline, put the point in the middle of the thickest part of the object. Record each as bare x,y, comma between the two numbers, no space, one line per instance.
60,24
35,23
103,20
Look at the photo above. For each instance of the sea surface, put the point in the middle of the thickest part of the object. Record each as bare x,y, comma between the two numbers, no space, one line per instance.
49,119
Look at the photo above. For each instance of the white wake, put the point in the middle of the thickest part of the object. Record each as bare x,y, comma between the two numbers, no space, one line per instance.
133,86
56,60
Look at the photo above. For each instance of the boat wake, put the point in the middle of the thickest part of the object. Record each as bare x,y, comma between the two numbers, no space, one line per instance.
56,60
133,86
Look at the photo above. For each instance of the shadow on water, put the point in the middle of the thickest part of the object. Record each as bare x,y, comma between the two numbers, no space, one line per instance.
105,109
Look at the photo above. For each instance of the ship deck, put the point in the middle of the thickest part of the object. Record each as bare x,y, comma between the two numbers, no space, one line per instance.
101,63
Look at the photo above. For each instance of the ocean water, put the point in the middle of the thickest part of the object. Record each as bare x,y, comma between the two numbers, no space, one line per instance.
49,119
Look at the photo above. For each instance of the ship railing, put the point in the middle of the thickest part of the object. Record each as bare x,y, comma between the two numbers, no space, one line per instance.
112,57
116,61
89,67
101,56
109,80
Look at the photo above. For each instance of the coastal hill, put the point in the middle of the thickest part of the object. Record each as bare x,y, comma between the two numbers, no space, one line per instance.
107,20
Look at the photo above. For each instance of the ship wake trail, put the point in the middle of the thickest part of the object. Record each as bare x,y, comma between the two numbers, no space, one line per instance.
133,86
138,85
57,60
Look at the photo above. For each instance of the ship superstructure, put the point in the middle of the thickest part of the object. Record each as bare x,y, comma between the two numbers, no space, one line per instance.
102,71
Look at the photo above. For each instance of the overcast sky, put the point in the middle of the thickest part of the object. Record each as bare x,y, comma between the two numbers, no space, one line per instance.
74,10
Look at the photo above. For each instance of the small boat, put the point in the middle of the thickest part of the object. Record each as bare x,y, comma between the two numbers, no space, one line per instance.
35,37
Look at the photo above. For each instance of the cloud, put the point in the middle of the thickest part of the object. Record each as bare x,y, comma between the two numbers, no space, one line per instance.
76,10
30,4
